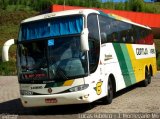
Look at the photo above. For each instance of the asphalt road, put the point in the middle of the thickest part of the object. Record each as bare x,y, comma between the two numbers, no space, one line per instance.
133,102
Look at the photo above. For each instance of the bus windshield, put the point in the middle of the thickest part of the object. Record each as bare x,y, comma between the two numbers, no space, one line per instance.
56,59
50,49
65,58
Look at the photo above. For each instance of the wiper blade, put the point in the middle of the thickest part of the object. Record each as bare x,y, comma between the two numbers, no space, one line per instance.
59,70
40,64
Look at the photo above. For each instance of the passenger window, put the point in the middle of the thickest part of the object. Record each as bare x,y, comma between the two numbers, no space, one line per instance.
94,42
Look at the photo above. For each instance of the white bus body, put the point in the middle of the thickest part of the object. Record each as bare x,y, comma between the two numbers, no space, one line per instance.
103,65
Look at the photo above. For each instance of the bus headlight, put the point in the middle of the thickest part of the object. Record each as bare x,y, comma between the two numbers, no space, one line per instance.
78,88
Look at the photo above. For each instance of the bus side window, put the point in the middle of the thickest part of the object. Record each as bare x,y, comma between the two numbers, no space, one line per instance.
132,39
114,37
124,32
123,37
105,29
94,42
103,37
130,36
137,36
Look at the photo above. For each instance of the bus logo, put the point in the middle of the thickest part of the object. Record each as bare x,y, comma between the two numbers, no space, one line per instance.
99,88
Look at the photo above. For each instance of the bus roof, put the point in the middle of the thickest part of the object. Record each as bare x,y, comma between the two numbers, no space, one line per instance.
61,13
80,11
120,18
127,20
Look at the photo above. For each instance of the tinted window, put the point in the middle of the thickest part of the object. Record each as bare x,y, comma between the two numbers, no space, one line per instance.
116,31
94,42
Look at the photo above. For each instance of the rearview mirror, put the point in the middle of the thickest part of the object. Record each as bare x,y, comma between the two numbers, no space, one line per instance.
5,49
84,40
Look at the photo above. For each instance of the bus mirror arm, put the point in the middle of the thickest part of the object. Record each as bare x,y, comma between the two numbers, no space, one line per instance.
15,41
5,49
84,40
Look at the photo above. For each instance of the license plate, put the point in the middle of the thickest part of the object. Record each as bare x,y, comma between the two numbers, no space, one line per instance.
51,100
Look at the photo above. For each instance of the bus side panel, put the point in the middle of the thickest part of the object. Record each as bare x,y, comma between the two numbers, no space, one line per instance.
125,63
111,65
142,56
132,60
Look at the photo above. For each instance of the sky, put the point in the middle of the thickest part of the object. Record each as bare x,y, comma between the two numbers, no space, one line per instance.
125,0
114,0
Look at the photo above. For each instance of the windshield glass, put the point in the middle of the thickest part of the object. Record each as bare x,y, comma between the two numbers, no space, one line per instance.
66,60
49,49
57,59
32,60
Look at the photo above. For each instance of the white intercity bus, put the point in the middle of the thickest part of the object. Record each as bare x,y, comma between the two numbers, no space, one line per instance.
80,56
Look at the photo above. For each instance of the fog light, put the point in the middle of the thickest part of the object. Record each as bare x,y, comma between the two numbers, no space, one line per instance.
25,102
86,96
81,98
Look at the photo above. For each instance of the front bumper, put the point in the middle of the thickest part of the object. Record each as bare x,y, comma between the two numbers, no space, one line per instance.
56,99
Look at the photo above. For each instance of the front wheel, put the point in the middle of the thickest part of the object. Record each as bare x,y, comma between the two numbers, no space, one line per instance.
108,99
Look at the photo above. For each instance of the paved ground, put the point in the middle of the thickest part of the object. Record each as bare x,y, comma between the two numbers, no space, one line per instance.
136,99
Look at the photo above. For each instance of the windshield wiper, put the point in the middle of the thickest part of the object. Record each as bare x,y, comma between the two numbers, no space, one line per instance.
60,71
41,64
57,68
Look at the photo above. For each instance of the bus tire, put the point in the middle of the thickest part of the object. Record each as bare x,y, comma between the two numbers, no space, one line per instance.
146,80
149,81
150,75
108,99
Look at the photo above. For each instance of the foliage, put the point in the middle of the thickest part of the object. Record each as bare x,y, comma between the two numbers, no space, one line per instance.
157,45
136,5
40,5
12,12
8,68
9,25
158,61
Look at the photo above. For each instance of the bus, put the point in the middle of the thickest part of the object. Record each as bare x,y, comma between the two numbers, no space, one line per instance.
80,56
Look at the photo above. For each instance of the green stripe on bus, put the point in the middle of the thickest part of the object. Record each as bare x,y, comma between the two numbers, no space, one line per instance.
128,63
122,62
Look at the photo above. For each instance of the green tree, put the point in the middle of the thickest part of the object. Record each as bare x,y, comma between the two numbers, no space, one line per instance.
136,5
150,9
110,4
120,6
4,4
42,5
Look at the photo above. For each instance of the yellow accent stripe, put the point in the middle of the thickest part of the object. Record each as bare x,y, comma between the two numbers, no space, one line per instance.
119,17
134,63
139,64
68,83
